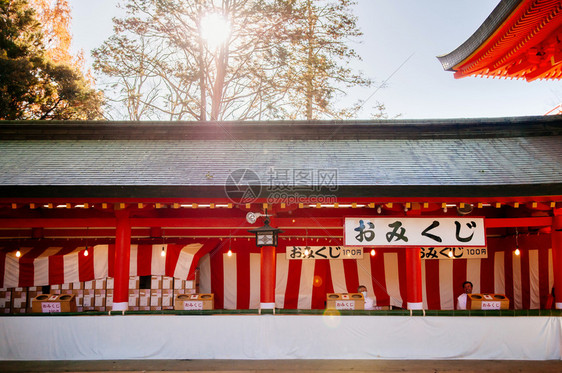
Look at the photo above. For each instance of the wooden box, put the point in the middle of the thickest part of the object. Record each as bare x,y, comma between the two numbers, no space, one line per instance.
67,302
99,299
345,301
50,303
194,302
487,302
89,300
167,299
19,301
38,301
155,299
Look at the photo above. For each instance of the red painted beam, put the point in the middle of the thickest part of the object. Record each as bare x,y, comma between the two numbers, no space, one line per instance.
235,223
518,222
258,204
170,222
57,223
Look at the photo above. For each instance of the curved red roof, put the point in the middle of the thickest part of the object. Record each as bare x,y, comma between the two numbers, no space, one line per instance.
520,39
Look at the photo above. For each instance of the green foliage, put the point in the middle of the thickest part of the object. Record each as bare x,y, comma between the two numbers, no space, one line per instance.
318,56
31,85
283,59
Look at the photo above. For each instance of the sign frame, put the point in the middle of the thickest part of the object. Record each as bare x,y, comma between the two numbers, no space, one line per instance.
426,251
51,307
193,305
340,248
433,244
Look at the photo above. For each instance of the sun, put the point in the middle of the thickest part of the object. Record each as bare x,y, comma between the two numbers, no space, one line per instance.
215,29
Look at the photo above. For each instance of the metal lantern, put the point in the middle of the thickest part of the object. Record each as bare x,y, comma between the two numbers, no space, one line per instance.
266,235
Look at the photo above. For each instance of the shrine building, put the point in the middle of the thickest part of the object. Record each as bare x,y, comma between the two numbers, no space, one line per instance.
125,240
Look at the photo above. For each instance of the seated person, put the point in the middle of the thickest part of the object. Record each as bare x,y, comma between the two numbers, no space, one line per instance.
369,302
461,300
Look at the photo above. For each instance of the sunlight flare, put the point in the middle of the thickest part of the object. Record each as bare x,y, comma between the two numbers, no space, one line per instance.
215,29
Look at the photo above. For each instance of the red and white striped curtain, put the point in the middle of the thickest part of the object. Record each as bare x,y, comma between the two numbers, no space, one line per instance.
235,280
41,266
526,279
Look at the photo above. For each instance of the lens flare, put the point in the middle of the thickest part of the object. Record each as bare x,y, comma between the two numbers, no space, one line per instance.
215,29
332,318
317,282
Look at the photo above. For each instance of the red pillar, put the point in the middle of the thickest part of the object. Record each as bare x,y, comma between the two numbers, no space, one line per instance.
414,296
414,279
122,261
557,256
267,288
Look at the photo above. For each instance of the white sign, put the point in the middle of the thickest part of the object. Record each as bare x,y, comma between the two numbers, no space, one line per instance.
323,252
453,252
345,305
193,305
487,305
50,307
415,231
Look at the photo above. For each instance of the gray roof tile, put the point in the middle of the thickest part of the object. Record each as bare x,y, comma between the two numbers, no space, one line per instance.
495,160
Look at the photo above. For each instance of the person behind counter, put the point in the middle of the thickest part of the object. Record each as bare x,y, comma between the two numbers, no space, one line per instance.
369,302
461,300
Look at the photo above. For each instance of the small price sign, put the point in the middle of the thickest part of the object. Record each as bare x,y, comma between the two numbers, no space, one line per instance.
50,307
193,305
487,305
345,305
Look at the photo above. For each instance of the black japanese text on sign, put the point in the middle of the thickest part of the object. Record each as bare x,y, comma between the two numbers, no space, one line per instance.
415,231
447,253
324,252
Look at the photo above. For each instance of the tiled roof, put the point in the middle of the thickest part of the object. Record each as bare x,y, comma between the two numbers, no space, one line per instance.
520,39
500,13
515,157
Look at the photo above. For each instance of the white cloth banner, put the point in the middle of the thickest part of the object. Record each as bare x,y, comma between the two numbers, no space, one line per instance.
279,337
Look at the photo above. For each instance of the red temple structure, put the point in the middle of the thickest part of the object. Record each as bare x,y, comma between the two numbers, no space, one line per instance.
521,39
129,192
113,204
79,185
72,186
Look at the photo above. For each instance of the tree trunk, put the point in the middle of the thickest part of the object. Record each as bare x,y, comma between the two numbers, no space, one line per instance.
218,87
310,62
203,115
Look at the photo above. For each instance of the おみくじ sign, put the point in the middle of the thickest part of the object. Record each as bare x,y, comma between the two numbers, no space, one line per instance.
415,231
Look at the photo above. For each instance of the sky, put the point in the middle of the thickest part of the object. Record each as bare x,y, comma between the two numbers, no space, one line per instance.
399,47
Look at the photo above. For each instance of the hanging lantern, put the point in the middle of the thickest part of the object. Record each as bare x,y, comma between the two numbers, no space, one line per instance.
266,235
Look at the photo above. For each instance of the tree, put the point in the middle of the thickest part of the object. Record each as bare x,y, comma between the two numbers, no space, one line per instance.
319,57
55,17
32,85
161,65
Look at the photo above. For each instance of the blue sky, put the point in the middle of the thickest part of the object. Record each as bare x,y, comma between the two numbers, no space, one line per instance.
400,43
